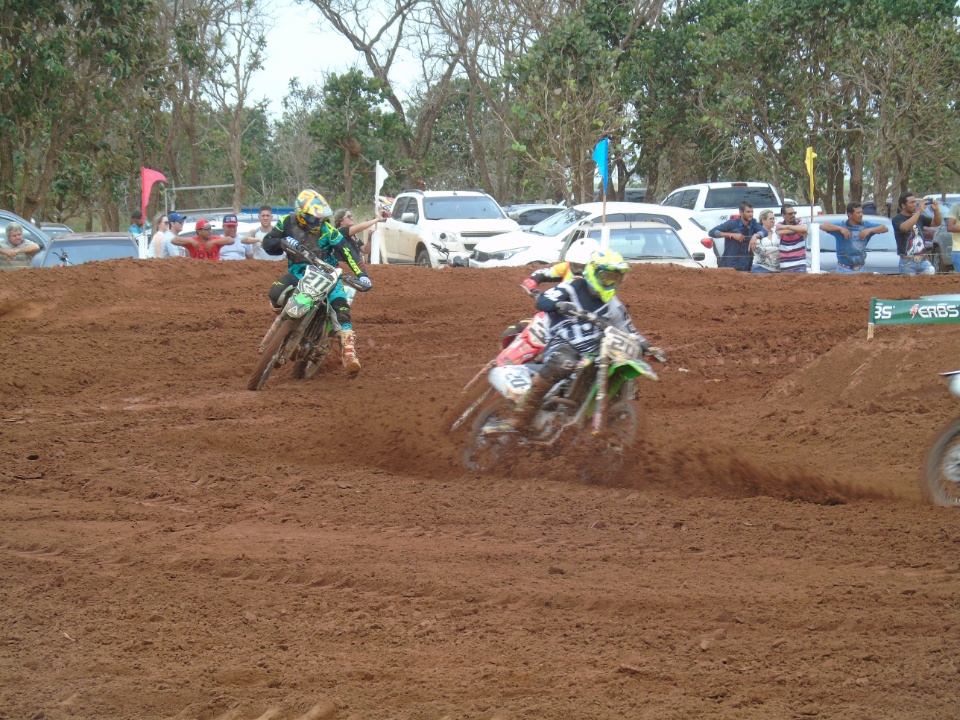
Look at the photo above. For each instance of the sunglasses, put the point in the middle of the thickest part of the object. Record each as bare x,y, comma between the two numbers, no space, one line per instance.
348,216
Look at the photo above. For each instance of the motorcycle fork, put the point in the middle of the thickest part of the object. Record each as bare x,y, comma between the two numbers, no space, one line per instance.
277,321
600,400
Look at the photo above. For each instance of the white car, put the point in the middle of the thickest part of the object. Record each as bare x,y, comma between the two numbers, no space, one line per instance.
646,242
425,225
543,242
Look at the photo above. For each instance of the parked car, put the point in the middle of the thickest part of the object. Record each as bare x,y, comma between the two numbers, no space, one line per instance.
78,248
529,214
882,255
455,219
645,242
630,194
30,231
939,240
543,242
55,228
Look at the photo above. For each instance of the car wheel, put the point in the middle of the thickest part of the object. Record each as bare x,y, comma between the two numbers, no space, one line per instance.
936,259
423,258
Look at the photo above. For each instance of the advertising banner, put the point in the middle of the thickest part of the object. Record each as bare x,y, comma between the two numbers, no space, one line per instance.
912,312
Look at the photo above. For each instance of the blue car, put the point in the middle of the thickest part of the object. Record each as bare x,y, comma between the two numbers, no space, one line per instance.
76,248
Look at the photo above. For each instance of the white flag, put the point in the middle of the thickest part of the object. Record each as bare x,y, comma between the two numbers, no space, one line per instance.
381,176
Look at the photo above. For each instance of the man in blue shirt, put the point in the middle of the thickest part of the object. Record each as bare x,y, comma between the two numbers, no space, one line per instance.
737,232
852,238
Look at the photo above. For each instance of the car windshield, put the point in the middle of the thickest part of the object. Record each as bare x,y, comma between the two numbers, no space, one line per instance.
884,242
731,197
556,224
644,243
461,207
81,251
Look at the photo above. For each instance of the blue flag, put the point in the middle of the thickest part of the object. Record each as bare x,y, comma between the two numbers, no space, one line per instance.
601,155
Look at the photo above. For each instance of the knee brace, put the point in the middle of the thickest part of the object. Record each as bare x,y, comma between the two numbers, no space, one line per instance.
560,364
342,308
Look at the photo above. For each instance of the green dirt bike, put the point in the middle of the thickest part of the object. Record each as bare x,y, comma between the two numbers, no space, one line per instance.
598,396
941,478
305,330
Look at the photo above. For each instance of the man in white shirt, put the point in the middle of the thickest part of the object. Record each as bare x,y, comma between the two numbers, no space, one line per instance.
237,250
255,236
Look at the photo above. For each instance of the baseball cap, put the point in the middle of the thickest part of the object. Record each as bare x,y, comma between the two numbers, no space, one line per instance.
176,217
203,223
230,220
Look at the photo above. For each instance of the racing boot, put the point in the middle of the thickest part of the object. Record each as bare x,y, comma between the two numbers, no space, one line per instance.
348,350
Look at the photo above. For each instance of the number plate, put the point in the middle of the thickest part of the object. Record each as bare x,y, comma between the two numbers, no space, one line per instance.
619,346
316,282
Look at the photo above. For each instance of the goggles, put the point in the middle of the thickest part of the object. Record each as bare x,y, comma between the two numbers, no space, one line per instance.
610,278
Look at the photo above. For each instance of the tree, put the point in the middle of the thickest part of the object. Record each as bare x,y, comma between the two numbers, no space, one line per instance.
237,37
65,67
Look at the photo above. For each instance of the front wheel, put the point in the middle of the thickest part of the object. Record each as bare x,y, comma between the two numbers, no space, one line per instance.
941,480
271,354
315,350
423,258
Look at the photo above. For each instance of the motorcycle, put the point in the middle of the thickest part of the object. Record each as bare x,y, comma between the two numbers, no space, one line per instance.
599,395
445,261
941,478
304,331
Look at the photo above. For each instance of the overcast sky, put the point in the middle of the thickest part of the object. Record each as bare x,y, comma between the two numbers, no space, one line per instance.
298,46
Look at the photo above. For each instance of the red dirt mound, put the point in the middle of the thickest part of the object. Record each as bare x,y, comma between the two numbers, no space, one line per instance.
174,546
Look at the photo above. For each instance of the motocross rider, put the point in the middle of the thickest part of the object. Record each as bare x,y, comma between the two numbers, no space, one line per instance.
309,227
569,338
577,256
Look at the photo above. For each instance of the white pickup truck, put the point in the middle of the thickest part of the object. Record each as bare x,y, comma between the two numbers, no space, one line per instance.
715,203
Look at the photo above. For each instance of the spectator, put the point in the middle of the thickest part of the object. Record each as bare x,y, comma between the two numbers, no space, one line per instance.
793,239
161,246
908,226
236,250
766,245
953,225
15,252
137,224
254,237
345,222
737,231
205,246
852,238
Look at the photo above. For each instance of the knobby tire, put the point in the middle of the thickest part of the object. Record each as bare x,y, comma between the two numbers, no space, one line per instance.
269,357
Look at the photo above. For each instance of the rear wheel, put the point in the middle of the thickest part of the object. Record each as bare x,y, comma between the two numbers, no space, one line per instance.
423,258
941,481
483,451
270,355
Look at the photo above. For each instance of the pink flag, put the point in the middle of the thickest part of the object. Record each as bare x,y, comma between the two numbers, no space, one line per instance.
147,178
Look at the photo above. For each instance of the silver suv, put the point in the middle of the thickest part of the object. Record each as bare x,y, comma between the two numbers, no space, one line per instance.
424,220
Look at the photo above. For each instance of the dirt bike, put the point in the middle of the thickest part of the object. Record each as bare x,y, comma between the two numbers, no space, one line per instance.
598,396
445,261
941,478
305,330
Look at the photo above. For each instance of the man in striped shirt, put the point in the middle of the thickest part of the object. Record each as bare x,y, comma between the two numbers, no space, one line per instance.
793,238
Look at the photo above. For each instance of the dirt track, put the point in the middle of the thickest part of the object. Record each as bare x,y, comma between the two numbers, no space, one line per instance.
174,546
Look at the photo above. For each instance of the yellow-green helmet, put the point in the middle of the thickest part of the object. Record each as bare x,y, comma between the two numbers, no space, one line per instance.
605,272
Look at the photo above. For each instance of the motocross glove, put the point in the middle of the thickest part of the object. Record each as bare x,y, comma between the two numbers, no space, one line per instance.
529,284
291,243
653,351
364,282
565,308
